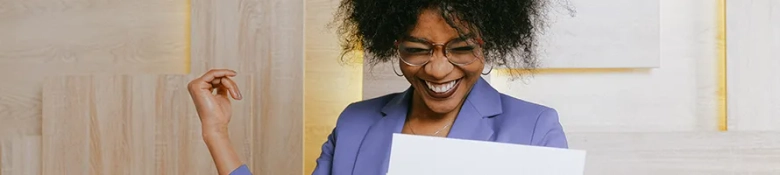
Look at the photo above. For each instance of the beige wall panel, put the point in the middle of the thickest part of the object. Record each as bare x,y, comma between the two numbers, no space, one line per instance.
133,125
753,62
689,153
262,38
20,155
54,37
39,38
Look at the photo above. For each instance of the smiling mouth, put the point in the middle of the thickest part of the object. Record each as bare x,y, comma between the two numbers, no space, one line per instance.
442,90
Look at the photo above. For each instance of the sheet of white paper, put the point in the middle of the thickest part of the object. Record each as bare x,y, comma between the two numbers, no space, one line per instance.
422,155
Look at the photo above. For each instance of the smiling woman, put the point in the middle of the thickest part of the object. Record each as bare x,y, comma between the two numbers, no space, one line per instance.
442,47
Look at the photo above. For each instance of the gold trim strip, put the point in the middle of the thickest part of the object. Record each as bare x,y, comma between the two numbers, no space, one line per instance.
722,76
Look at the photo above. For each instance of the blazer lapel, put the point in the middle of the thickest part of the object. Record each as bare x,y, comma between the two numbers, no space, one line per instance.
471,125
475,120
374,152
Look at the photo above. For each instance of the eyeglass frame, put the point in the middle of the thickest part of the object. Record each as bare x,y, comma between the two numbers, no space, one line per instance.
434,45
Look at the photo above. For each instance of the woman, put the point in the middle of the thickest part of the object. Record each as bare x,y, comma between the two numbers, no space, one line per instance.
442,47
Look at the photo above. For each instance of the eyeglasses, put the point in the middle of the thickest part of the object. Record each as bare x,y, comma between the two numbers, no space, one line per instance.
418,52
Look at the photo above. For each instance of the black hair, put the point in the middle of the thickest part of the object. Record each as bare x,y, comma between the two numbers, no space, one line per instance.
508,28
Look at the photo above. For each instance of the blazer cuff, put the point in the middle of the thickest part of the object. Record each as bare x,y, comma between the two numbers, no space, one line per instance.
242,170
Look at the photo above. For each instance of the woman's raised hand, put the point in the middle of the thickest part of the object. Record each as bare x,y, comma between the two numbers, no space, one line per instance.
211,94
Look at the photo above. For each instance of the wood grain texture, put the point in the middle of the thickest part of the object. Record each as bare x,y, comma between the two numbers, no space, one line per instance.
753,39
330,84
53,37
690,153
39,38
263,38
143,124
20,155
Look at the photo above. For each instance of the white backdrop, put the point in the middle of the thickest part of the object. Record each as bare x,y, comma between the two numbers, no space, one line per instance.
680,95
602,34
754,65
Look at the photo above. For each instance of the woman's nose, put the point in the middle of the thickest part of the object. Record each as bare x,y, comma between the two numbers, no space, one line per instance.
439,67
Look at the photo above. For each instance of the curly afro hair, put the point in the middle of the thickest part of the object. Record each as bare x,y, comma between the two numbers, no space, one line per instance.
507,27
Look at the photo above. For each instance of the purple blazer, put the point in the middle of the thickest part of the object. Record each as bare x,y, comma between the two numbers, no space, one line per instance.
360,142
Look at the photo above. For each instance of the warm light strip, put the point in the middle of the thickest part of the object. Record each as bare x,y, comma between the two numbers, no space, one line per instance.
188,38
721,92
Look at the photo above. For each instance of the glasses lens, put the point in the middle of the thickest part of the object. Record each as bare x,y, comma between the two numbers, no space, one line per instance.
461,52
414,53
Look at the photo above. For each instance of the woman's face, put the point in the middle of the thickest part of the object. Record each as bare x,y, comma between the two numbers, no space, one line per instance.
440,84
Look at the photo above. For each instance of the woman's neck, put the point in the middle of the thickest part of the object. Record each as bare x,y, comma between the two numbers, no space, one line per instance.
422,113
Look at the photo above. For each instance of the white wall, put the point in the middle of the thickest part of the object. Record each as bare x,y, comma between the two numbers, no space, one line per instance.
754,65
664,120
680,95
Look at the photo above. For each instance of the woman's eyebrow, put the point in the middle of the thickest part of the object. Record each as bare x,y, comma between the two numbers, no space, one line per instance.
416,40
464,37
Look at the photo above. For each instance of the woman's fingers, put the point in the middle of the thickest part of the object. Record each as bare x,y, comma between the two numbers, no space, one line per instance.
211,79
215,74
227,85
232,87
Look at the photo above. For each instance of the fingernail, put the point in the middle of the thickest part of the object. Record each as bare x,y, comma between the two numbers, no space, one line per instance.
238,95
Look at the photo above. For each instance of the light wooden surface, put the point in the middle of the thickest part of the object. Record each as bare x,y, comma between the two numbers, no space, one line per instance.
40,38
689,153
262,38
20,155
132,125
53,37
753,40
330,85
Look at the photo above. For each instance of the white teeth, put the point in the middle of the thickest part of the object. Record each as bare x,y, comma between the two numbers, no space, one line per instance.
441,88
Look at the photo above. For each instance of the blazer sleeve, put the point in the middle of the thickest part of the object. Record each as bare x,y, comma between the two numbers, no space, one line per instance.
242,170
548,131
325,161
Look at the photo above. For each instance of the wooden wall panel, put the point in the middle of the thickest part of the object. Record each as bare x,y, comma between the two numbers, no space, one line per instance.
39,38
53,37
690,153
142,124
753,39
20,155
263,38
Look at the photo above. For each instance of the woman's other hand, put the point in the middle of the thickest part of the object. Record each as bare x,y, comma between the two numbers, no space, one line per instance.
211,94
